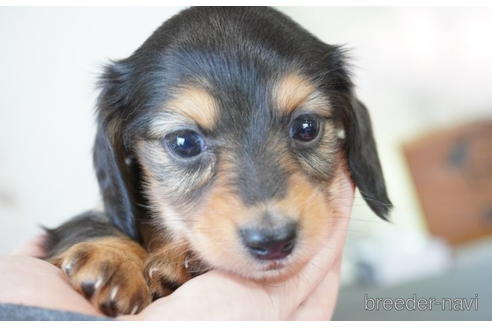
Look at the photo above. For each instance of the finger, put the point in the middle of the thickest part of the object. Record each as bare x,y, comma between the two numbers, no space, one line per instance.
291,293
214,295
33,247
320,305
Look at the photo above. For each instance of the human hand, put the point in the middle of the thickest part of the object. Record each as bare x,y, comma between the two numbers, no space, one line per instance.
30,281
308,295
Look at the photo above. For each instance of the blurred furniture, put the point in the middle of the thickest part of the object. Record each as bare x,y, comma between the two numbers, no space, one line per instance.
452,173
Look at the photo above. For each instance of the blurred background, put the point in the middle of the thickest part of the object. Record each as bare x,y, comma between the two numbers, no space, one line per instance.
424,73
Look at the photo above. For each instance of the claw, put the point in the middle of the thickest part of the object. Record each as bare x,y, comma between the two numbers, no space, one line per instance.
151,271
98,283
114,291
135,309
67,268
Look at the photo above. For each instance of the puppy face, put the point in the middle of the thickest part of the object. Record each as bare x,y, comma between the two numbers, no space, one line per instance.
244,181
229,141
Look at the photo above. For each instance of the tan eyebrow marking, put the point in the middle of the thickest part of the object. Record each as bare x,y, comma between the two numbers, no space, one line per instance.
294,90
291,91
195,103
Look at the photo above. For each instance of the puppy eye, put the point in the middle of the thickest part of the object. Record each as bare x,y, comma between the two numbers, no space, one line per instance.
305,128
185,143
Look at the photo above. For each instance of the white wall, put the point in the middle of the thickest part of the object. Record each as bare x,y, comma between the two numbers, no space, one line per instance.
416,69
49,61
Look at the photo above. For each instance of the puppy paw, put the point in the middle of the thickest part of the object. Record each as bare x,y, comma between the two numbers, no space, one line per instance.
164,274
109,273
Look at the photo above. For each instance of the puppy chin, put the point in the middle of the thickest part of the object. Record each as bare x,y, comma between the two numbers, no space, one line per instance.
270,271
273,272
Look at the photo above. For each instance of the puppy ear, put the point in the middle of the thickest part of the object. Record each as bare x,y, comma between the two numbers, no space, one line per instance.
363,160
112,161
114,184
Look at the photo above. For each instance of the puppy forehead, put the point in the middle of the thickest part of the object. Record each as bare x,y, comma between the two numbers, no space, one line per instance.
205,106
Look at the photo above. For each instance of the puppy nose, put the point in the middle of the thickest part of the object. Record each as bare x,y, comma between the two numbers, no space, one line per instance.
270,244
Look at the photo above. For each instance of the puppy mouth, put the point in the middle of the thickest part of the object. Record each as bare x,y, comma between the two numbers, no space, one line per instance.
274,266
271,271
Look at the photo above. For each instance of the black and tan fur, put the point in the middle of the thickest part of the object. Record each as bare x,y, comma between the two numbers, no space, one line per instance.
238,77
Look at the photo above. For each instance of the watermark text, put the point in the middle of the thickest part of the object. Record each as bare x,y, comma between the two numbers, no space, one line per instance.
415,303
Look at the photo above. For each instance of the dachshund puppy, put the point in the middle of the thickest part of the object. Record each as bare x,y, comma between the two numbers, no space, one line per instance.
216,147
